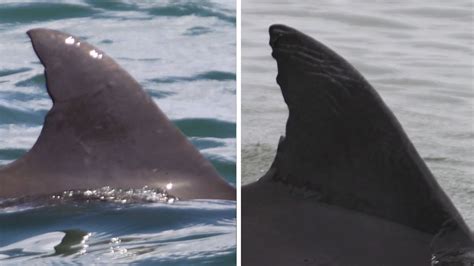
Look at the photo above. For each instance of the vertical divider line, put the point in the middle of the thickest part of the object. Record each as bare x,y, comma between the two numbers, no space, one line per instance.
238,127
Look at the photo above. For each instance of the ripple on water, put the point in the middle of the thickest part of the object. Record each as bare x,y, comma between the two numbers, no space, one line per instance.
225,167
435,12
197,31
196,8
11,154
106,41
15,116
36,12
210,75
201,127
158,94
35,81
168,234
112,5
8,72
365,20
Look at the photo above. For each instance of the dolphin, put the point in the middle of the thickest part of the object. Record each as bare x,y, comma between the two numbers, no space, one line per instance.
104,130
347,187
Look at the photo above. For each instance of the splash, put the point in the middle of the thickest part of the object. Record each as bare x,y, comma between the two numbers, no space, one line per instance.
105,194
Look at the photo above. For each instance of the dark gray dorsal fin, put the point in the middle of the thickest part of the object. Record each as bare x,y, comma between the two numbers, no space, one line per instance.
343,143
104,129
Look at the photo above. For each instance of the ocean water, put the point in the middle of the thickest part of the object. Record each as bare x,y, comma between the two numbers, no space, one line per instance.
183,54
417,55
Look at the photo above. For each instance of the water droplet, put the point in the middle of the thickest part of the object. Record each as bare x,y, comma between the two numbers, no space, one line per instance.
69,40
169,186
86,237
93,54
115,240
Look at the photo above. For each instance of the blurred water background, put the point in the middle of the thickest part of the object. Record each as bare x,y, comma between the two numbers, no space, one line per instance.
417,55
183,54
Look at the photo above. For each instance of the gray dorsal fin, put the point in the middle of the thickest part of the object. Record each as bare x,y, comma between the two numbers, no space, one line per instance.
104,129
344,144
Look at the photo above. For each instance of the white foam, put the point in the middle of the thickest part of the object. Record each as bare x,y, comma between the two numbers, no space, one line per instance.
5,162
222,241
44,243
225,152
18,136
40,104
200,99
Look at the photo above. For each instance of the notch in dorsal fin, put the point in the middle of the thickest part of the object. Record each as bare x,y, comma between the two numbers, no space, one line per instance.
344,143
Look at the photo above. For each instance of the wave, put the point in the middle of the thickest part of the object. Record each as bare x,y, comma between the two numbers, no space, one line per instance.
201,127
210,75
36,12
226,168
11,115
8,72
196,8
94,232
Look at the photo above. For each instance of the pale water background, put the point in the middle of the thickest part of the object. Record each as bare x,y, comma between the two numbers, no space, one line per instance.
417,54
183,54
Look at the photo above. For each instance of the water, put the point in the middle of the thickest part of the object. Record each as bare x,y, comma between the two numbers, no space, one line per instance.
97,232
183,54
418,55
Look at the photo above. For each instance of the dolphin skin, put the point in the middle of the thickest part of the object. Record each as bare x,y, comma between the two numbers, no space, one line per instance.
346,187
104,130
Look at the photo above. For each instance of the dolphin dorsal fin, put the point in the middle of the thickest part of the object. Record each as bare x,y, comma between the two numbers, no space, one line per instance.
344,144
103,129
